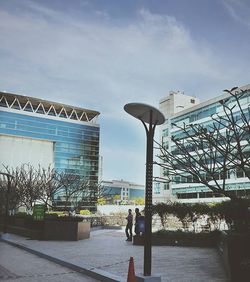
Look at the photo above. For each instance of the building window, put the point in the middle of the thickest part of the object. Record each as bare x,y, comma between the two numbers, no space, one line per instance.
165,145
165,172
157,189
239,173
192,101
166,186
177,179
165,132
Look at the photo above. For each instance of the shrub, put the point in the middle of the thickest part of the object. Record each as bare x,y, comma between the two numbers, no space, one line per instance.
64,218
85,212
55,215
21,214
235,212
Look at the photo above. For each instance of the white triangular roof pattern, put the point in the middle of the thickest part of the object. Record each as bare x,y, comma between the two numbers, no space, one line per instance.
52,110
44,107
16,102
4,101
26,106
40,106
63,113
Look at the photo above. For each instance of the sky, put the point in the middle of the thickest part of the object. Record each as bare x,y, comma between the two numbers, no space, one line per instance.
103,54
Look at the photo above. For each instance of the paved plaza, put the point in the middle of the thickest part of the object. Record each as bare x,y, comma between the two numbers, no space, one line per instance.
106,251
21,266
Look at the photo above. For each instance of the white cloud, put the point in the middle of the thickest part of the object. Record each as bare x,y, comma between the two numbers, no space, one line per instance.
140,61
99,65
239,10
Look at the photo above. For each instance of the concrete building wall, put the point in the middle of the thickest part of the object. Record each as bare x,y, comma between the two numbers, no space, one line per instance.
107,209
125,189
16,151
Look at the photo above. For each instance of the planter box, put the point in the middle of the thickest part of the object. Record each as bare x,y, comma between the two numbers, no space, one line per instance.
165,240
19,222
66,230
234,249
25,232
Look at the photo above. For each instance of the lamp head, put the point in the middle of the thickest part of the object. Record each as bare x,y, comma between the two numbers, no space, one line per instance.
142,112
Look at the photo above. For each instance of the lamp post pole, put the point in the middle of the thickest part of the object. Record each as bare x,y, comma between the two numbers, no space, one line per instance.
151,116
148,197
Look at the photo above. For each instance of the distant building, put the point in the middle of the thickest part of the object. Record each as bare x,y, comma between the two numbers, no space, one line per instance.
120,191
180,188
44,133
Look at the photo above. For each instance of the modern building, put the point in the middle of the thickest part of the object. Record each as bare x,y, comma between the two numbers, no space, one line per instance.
120,191
44,133
199,113
174,103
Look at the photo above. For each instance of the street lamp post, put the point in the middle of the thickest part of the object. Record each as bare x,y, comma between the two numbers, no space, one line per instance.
151,116
9,176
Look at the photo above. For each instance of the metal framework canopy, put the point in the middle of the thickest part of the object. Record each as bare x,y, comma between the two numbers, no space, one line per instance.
143,112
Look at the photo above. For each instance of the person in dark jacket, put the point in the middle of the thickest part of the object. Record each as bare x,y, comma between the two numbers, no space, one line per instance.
137,215
129,225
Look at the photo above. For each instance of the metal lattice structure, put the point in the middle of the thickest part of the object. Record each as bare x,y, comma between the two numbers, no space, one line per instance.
47,108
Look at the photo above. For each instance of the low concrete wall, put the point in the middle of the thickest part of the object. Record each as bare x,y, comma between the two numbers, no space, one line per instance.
235,252
164,240
66,230
54,230
22,231
107,209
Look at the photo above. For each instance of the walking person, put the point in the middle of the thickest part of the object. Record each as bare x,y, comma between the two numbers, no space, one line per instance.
129,225
137,215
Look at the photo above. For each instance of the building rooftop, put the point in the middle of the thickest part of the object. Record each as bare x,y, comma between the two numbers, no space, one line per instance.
210,101
44,107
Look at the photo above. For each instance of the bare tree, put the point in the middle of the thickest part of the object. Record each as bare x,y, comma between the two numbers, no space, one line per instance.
209,154
50,186
3,193
85,197
16,192
236,123
103,191
74,190
30,185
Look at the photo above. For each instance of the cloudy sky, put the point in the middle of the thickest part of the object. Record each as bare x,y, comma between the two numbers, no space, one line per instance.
102,54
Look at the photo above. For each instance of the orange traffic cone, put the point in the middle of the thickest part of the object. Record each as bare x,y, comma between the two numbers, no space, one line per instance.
131,270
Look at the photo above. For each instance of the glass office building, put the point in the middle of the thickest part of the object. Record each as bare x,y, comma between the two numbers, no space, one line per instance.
185,188
126,191
46,133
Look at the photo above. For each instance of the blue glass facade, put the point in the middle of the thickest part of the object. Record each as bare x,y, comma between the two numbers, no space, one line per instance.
135,193
76,146
67,138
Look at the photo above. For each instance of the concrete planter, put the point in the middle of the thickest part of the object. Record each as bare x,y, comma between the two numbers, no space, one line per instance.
20,222
25,232
165,240
66,230
234,249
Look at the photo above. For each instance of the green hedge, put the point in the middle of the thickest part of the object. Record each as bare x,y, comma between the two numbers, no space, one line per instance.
235,212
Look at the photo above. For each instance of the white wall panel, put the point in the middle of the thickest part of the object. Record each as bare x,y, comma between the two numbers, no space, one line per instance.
15,151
